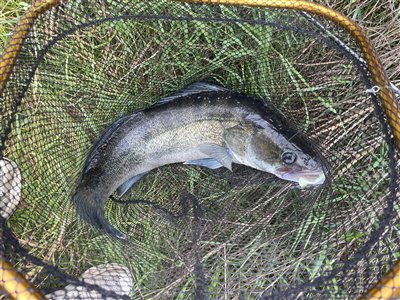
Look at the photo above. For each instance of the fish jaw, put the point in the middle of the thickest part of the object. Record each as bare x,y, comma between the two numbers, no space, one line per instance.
312,180
303,177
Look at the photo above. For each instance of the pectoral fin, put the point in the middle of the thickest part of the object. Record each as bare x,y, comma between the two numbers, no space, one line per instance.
207,162
218,153
127,185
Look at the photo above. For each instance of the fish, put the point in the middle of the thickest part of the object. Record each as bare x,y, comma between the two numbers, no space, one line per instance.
204,125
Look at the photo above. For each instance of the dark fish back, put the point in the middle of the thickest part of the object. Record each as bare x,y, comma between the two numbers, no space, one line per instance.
103,140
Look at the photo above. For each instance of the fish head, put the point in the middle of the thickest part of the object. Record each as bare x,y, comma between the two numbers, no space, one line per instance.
286,154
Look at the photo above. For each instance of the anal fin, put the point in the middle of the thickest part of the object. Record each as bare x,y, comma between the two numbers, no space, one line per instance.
127,185
206,162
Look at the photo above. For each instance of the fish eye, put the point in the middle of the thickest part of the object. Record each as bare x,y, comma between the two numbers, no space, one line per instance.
288,157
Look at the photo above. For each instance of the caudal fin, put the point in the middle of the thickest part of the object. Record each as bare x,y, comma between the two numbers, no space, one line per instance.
91,210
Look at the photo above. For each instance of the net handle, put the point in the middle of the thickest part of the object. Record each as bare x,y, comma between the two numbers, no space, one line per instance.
15,285
386,95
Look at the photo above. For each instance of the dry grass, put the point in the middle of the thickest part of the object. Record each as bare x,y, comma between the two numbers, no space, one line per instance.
381,21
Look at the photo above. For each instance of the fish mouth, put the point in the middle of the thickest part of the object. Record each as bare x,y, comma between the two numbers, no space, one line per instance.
302,177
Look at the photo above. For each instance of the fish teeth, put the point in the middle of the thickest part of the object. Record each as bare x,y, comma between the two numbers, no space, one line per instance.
303,182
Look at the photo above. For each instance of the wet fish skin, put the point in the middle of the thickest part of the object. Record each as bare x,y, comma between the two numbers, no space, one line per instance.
202,124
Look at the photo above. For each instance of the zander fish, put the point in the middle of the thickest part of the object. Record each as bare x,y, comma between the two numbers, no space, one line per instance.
204,125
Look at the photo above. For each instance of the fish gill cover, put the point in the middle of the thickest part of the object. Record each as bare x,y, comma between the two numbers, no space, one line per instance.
194,232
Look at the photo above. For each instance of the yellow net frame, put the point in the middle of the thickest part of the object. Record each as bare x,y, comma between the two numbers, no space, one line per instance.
17,287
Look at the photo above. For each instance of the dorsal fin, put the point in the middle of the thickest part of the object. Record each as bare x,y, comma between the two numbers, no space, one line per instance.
194,88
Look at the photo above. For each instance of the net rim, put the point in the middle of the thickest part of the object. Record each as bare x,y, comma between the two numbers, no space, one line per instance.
388,287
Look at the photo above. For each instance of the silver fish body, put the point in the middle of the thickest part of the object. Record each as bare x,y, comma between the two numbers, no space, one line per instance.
203,125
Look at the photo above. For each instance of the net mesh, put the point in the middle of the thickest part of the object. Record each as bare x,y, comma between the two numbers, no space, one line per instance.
194,232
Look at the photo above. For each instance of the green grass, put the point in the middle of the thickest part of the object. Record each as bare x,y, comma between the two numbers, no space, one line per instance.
10,12
96,75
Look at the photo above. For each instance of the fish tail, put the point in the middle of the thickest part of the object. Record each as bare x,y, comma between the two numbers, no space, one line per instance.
91,209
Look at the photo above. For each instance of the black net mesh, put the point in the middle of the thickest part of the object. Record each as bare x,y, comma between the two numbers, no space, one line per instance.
195,232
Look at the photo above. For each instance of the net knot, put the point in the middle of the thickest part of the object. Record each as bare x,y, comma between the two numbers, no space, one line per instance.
374,90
